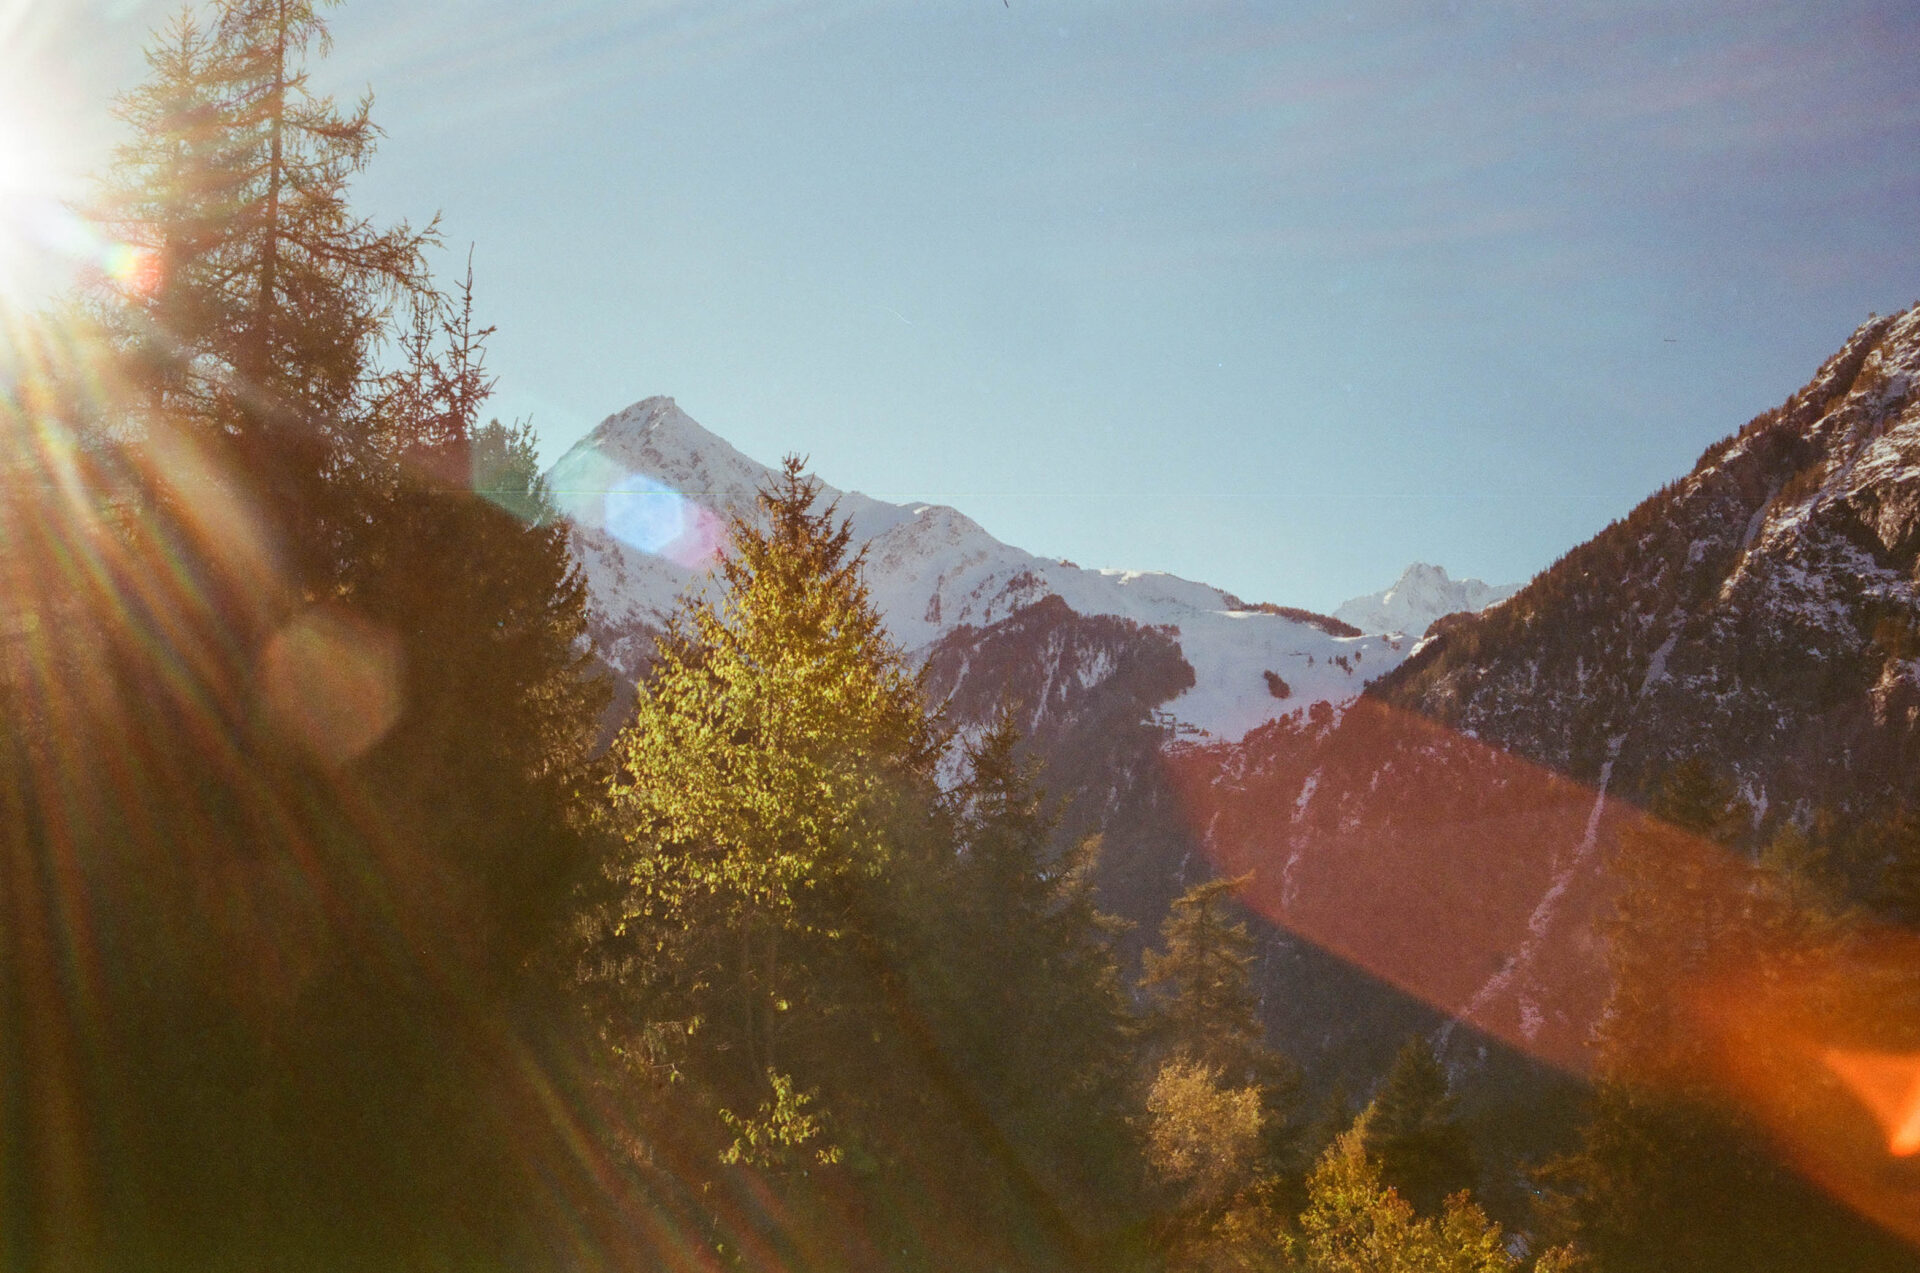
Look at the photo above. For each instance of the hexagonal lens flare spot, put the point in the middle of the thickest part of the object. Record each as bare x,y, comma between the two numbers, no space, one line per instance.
334,681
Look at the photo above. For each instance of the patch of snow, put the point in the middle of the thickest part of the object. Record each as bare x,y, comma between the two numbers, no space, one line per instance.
1540,921
1657,664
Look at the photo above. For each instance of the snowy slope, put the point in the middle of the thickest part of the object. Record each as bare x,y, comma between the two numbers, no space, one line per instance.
649,492
1423,594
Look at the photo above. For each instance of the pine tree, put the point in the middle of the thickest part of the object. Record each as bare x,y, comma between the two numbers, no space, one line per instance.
1204,1008
1627,1188
1796,868
1411,1131
1209,1062
1331,1119
818,971
489,758
1021,980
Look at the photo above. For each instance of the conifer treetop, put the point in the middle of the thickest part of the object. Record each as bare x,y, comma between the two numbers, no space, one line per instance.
779,726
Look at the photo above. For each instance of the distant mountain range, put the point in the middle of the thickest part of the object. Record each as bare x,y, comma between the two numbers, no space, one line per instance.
649,492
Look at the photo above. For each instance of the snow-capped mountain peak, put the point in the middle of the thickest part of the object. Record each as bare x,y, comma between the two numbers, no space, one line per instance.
649,493
657,439
1422,594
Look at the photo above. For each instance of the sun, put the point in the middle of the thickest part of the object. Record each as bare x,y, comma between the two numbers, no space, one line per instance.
28,194
45,245
22,167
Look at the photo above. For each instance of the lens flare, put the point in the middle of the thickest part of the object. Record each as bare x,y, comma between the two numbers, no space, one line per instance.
1817,1041
646,514
46,245
133,269
77,243
1489,887
1888,1084
332,680
638,510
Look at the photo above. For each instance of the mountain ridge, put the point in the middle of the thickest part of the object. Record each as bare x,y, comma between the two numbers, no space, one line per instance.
649,493
1760,615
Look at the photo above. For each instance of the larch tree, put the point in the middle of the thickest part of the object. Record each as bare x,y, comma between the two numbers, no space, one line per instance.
1203,1006
1211,1068
1201,983
254,315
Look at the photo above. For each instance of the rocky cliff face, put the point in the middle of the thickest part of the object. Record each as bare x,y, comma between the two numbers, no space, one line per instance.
1761,612
1089,692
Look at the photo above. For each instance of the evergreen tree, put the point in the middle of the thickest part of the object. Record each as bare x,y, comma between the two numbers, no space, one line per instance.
489,760
1201,983
780,831
779,741
1210,1062
1796,868
823,976
1204,1008
311,1040
1695,798
1410,1130
1025,988
1333,1118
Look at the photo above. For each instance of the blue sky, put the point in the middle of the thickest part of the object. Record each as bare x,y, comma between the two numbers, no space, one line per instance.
1277,296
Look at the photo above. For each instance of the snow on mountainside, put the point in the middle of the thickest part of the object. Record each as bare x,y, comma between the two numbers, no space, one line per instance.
649,493
1423,594
1760,612
1759,616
